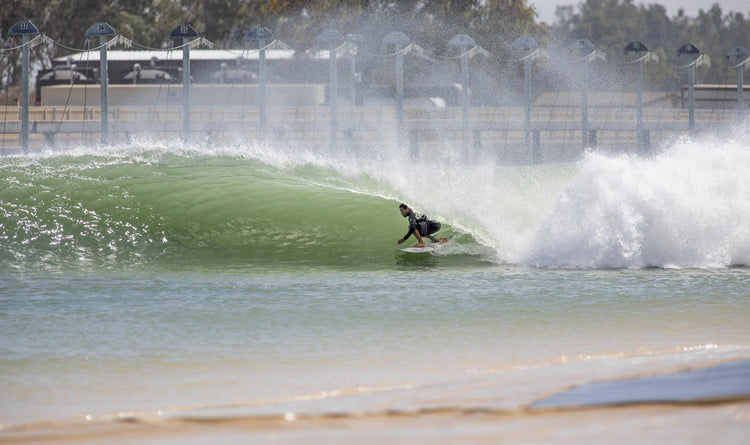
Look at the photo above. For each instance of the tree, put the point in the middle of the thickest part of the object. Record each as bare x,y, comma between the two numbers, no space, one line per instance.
499,22
610,24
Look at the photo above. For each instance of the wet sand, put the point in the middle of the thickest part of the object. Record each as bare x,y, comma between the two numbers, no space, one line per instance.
727,423
708,405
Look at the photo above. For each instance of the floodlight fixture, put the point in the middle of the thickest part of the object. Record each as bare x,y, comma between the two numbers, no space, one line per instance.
23,28
183,31
100,30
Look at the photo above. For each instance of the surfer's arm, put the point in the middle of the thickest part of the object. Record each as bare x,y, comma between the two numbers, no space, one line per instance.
417,235
412,229
420,241
408,234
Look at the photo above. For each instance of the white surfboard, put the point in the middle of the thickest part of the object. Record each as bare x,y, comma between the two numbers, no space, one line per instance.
428,247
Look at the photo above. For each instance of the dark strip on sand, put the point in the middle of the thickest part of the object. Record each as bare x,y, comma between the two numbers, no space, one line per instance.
724,382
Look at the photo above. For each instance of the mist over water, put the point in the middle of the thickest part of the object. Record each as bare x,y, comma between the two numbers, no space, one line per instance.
685,206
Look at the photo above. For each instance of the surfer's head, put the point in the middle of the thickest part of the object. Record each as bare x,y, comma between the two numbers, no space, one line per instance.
404,209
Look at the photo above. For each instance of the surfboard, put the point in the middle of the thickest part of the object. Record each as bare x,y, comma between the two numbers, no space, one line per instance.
428,247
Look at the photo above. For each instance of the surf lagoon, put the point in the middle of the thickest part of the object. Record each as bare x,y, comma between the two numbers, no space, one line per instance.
164,292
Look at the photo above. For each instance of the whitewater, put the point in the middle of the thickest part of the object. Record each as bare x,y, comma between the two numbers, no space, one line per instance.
685,206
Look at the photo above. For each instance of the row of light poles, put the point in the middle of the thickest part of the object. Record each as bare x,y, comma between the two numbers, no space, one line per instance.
524,49
688,57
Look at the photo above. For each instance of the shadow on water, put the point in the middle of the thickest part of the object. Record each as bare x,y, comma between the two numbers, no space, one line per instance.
416,261
428,261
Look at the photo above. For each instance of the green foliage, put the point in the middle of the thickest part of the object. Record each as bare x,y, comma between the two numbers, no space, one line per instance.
499,22
494,24
298,22
611,24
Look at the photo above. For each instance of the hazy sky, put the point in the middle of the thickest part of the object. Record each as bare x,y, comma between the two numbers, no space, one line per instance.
546,8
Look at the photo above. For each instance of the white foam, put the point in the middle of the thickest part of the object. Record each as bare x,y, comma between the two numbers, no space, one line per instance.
686,207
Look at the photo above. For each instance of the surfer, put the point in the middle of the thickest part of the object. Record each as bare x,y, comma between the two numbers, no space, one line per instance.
418,226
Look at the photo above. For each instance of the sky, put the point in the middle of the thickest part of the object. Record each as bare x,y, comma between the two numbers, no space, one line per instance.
546,8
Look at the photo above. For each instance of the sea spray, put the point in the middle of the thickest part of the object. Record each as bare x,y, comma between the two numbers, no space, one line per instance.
688,206
289,202
498,206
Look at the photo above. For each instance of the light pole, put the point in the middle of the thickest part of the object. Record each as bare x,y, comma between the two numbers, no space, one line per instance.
640,53
260,35
740,53
355,41
525,49
25,30
332,38
466,48
186,32
692,57
103,30
586,51
397,43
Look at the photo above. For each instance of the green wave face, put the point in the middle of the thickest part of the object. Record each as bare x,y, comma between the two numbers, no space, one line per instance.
288,205
188,209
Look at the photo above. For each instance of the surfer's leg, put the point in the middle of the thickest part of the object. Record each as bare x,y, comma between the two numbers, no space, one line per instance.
434,228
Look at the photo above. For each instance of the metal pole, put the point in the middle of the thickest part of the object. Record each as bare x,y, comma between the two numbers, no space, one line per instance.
333,94
262,87
104,90
356,40
691,97
186,88
25,96
259,35
740,91
740,54
585,105
355,80
527,110
689,50
639,125
24,29
465,101
400,44
103,30
399,95
524,48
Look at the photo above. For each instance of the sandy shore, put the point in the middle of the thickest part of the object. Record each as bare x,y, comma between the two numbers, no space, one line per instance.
727,423
709,405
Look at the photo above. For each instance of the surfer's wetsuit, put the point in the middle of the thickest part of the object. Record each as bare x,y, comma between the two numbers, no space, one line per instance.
424,226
